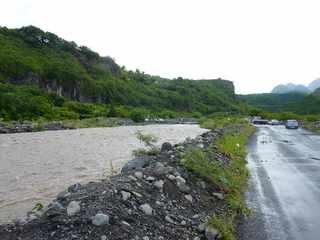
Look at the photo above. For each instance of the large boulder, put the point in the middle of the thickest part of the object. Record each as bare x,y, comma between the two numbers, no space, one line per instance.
166,147
136,164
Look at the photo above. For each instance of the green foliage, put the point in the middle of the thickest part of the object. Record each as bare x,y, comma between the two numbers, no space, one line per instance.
138,115
271,101
224,226
112,111
149,141
32,56
30,103
39,206
297,103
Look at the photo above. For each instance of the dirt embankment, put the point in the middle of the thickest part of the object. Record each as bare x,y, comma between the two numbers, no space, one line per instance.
153,198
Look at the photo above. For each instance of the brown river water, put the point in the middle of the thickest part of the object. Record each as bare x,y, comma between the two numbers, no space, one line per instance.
37,166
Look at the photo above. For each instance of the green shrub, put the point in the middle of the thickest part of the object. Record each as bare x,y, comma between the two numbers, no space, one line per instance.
149,141
138,115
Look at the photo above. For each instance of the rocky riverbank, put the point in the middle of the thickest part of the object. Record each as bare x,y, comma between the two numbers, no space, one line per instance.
154,197
19,127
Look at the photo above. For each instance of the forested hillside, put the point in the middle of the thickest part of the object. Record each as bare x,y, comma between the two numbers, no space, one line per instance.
64,72
272,101
290,102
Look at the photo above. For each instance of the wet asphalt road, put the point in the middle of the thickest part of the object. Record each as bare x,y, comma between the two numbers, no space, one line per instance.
284,189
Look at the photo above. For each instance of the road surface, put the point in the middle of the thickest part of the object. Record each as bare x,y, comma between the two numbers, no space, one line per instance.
284,189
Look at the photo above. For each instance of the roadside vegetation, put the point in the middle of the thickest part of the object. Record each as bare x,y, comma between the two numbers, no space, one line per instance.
229,178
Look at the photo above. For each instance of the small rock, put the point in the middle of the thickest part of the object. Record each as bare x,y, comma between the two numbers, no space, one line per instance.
160,169
189,197
137,163
146,208
171,177
100,219
103,237
169,219
138,175
196,238
54,209
166,147
73,208
202,227
132,178
180,179
126,223
63,195
137,194
159,184
74,187
220,196
211,233
145,238
125,195
183,187
203,185
150,179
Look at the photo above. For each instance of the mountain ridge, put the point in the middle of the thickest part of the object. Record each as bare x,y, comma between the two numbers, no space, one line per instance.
300,88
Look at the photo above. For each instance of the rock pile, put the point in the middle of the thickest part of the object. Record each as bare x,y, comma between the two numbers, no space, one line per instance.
153,198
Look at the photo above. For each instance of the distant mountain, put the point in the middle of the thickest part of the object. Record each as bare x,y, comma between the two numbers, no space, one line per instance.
290,87
314,84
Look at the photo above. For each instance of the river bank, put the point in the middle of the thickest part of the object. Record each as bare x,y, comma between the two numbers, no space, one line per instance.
27,126
36,166
155,197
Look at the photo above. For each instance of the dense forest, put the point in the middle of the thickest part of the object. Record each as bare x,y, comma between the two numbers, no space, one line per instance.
288,102
44,76
272,101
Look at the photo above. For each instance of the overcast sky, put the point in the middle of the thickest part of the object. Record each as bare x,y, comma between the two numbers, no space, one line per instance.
255,43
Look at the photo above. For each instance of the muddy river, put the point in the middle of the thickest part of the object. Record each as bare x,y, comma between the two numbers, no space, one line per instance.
36,166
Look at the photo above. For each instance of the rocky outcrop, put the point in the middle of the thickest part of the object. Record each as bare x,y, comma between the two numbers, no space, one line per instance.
159,199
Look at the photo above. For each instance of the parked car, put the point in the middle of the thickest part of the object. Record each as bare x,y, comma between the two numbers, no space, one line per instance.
259,121
274,122
292,124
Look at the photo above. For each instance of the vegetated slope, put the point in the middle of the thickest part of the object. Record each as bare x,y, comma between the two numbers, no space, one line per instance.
289,102
272,101
30,56
309,105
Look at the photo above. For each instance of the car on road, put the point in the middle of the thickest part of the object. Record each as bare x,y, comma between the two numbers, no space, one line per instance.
292,124
259,120
274,122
